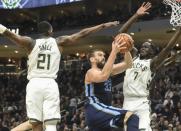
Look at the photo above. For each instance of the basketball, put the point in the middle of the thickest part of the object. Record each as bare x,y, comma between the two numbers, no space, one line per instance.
126,38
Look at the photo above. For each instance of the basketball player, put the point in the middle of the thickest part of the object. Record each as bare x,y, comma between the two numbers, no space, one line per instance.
42,94
100,115
141,11
137,79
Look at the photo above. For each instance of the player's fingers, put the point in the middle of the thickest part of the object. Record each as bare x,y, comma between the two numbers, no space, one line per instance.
113,42
143,4
148,5
123,49
120,40
123,44
147,13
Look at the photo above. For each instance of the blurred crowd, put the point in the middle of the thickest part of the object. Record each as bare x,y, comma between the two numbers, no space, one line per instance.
90,15
165,98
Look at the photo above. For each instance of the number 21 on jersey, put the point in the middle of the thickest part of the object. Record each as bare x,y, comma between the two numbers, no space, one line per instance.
43,61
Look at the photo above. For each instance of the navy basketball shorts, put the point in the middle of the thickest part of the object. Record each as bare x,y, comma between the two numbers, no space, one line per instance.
100,117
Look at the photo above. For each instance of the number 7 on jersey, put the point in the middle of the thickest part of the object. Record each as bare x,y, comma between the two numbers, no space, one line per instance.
136,75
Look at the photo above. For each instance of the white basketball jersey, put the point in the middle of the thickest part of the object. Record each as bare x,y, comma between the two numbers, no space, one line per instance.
137,79
44,59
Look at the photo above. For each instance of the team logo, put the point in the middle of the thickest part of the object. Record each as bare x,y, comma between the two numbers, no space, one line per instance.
11,4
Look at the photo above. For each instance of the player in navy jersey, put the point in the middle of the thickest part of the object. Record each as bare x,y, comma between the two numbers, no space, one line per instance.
100,115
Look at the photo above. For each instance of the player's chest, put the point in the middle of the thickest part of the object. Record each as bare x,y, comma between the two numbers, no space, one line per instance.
140,65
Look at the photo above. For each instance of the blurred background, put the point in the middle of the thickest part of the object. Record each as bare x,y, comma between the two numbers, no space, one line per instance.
70,16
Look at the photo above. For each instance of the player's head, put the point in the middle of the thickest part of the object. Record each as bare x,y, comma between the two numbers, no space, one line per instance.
45,28
97,57
147,50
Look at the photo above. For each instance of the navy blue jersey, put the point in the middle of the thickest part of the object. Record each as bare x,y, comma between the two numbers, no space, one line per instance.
99,114
102,91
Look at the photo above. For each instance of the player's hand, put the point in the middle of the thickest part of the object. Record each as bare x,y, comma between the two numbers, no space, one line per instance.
119,46
144,8
109,24
2,29
122,44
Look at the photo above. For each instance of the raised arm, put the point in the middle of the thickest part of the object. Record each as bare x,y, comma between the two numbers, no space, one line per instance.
83,33
94,75
165,51
122,66
140,12
23,41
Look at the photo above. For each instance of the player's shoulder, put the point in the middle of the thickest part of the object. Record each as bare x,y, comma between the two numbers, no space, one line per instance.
92,71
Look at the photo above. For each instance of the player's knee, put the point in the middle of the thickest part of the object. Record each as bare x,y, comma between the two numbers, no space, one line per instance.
36,124
118,121
133,121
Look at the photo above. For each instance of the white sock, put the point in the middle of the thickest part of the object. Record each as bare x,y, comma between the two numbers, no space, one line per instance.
50,128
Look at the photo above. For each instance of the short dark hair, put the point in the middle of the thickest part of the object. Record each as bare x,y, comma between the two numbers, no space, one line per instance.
91,53
44,27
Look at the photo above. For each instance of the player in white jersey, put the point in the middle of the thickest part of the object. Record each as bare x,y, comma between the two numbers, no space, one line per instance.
138,78
42,93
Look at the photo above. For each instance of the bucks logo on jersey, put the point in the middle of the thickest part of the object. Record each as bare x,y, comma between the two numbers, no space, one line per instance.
11,4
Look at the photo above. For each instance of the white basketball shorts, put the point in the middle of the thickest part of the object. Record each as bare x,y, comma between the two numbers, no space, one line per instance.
42,100
141,107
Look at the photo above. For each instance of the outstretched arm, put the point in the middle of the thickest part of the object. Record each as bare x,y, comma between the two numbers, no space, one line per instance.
23,41
164,53
122,66
83,33
140,12
169,61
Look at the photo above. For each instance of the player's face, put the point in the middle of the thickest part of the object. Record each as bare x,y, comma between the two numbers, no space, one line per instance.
145,50
99,58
